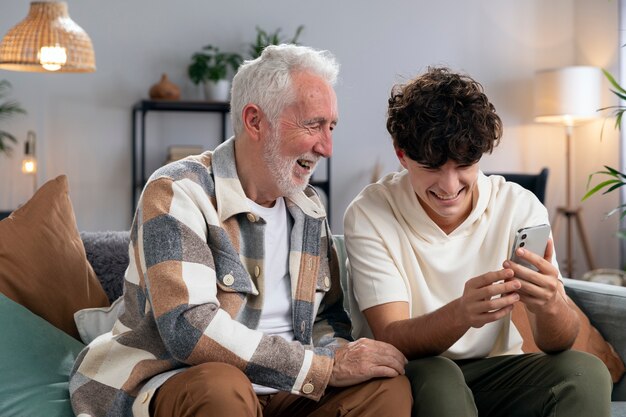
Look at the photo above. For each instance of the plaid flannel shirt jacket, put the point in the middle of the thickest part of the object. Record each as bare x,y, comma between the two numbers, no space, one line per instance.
193,293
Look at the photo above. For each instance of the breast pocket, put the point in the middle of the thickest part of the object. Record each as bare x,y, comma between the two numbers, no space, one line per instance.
323,283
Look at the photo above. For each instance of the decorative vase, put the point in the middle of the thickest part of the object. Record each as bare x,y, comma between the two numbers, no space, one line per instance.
217,90
164,90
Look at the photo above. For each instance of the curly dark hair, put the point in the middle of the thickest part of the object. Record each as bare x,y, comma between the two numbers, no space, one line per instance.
441,116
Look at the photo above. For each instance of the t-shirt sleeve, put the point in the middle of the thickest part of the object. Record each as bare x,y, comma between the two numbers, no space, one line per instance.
373,272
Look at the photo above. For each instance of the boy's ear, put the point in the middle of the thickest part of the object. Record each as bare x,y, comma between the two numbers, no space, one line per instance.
401,157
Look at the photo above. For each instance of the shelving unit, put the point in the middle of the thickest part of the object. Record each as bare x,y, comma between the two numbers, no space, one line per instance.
138,152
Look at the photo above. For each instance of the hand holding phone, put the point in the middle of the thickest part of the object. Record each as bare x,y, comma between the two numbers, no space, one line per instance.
534,239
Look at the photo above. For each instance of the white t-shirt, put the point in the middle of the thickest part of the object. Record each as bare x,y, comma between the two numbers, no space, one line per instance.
276,313
397,253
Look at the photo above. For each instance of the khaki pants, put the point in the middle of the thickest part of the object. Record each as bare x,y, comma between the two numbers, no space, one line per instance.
567,384
221,390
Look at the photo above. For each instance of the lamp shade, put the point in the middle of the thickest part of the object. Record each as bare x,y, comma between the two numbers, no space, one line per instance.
567,96
47,40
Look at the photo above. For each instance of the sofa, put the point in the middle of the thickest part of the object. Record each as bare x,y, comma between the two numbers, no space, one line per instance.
51,275
605,305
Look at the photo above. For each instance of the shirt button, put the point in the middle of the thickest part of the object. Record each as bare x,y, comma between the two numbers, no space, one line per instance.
229,280
326,282
303,326
257,271
251,217
308,388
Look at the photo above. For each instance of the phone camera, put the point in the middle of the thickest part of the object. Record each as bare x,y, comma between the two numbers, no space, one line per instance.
524,236
521,245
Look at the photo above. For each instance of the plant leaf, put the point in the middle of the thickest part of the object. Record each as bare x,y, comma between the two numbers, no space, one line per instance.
598,188
613,82
614,187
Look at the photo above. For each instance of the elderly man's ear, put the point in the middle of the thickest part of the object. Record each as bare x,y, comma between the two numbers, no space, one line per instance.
252,117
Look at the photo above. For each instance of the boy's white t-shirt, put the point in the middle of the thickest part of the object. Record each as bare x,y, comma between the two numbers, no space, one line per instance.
397,253
276,318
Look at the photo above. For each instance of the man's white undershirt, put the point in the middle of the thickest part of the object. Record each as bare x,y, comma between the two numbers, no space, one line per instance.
276,314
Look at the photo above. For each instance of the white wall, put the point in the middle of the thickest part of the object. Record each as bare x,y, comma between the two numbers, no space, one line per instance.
83,120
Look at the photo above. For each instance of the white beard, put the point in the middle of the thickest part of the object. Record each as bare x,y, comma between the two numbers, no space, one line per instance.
281,168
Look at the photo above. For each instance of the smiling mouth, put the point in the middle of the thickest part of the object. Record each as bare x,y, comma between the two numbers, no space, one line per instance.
447,197
308,165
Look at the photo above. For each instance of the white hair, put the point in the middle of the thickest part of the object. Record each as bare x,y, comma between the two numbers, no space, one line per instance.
266,80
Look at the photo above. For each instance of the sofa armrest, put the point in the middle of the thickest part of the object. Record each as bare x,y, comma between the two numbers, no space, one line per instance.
605,306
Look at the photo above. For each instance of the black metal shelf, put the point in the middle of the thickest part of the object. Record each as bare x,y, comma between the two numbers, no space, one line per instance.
138,152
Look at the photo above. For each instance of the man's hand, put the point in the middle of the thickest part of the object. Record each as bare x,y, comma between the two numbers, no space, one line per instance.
554,323
365,359
480,303
539,289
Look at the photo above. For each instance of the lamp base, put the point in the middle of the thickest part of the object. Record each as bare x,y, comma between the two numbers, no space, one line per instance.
572,216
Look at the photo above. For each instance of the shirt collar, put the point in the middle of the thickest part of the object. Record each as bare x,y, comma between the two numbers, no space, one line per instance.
230,197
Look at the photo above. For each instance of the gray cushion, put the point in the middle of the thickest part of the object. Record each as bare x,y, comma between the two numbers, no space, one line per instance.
605,305
107,252
618,409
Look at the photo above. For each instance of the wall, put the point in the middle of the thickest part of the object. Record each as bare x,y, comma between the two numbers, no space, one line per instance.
83,120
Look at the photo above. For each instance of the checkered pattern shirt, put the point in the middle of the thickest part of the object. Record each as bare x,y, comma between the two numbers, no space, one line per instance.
194,293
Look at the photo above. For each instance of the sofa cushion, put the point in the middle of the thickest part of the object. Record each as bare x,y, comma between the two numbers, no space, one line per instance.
605,305
107,252
36,362
42,259
93,322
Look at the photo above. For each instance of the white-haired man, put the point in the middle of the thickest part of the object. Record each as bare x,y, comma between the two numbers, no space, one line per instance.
233,305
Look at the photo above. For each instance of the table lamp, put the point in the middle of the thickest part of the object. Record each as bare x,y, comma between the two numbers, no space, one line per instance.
568,97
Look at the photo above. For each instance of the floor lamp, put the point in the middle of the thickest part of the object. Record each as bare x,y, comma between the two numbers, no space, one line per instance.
569,97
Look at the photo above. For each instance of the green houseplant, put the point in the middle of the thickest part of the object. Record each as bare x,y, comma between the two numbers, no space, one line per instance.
613,178
211,68
7,109
264,39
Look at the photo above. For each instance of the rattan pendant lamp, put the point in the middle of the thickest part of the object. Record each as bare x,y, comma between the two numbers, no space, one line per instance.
47,40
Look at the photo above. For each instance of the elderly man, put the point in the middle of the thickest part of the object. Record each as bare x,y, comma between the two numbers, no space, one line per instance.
233,305
428,251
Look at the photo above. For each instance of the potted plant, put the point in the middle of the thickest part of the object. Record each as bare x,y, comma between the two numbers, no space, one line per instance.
7,109
264,39
210,67
616,179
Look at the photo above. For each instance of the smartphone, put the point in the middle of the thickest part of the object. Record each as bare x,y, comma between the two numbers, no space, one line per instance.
534,239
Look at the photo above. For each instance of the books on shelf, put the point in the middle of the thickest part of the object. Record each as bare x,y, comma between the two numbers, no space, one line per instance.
176,152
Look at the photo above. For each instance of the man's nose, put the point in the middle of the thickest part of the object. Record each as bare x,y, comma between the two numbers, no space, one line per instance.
324,146
449,182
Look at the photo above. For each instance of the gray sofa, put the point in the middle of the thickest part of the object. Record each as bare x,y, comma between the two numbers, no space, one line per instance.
605,305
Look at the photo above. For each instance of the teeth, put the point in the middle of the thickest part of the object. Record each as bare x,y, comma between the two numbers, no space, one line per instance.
446,197
303,163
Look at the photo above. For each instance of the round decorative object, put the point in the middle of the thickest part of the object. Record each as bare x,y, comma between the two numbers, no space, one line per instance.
164,90
606,276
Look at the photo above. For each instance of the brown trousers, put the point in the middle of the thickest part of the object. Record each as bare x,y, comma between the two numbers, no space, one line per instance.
218,389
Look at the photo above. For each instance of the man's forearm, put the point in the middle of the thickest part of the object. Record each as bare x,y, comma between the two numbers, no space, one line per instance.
427,335
555,330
